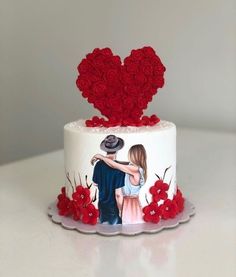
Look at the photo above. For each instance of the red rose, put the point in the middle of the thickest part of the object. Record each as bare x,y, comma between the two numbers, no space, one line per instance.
140,78
99,105
159,69
137,54
148,51
168,209
111,75
90,214
116,60
91,98
89,123
145,120
93,77
127,78
129,103
147,69
99,88
152,213
84,66
142,103
136,113
132,67
83,83
99,62
81,196
158,82
106,51
133,91
115,105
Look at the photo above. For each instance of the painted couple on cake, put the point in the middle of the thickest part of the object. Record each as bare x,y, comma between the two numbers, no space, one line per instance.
119,183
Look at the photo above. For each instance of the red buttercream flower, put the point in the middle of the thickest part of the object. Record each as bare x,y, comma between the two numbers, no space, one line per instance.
179,199
137,54
140,78
90,214
99,88
132,67
168,209
147,69
148,51
81,196
83,83
111,75
152,213
154,120
84,66
105,51
159,191
127,78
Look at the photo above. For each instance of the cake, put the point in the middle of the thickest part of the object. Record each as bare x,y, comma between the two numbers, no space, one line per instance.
120,168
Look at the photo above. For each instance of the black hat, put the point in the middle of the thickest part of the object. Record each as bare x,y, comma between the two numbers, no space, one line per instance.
111,144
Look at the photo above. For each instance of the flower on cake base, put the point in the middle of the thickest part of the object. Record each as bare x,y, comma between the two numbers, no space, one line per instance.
81,196
89,214
63,203
169,209
152,213
80,206
76,210
179,200
159,191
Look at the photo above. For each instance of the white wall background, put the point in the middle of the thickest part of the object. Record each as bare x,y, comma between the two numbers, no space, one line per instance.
42,42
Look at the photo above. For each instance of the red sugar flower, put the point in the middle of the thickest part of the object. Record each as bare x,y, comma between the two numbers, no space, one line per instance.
159,191
81,196
90,214
76,210
178,198
168,209
152,213
63,203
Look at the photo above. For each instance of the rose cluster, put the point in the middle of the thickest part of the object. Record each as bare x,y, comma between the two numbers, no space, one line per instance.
121,92
80,207
169,209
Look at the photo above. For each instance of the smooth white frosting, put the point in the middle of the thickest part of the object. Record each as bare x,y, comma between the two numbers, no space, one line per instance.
81,143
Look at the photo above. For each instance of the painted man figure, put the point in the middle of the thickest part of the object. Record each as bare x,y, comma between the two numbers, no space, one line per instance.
109,182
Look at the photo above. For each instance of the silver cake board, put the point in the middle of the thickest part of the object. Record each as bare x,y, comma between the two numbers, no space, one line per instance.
122,229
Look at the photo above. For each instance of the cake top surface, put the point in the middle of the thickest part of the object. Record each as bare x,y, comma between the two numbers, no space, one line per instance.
80,125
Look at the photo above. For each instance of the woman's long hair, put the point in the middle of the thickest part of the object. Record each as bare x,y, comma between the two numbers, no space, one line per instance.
138,156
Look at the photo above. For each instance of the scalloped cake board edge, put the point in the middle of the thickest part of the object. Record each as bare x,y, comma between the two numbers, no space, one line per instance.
126,229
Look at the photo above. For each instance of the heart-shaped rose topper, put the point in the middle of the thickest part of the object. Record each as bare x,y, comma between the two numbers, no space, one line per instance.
121,91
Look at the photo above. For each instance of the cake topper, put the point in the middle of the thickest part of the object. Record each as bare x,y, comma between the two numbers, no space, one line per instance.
121,92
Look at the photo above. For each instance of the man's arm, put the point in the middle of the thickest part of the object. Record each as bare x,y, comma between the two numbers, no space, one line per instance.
130,169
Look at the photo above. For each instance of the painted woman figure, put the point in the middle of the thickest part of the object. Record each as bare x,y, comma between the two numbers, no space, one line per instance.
135,177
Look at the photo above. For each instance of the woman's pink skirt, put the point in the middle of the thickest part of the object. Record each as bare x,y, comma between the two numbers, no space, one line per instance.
131,210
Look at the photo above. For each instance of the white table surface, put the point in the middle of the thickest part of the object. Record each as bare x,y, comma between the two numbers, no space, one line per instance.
32,245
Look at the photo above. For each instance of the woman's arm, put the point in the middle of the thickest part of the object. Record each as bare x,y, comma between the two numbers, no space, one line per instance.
130,169
119,199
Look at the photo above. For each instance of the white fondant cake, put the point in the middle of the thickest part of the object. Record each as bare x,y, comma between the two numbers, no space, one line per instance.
120,168
81,143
